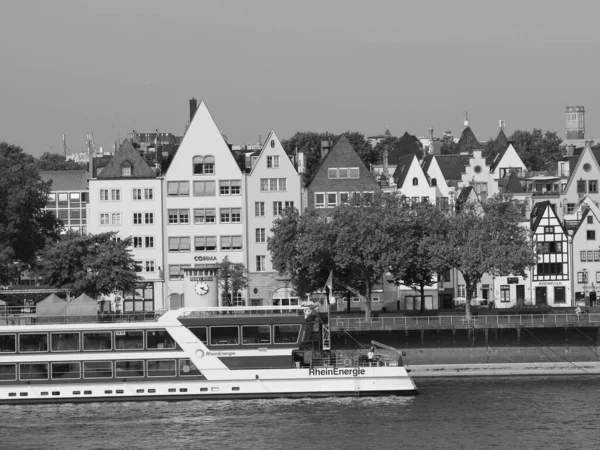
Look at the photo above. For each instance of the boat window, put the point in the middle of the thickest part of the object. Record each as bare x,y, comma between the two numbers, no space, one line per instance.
129,369
66,370
187,368
64,342
33,371
200,333
8,372
161,368
224,335
259,334
284,334
97,340
34,342
97,369
159,340
8,343
127,340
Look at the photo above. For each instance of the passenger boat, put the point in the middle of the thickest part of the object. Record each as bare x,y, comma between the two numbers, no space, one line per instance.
189,353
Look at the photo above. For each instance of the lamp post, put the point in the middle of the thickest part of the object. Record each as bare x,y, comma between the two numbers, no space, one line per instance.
585,280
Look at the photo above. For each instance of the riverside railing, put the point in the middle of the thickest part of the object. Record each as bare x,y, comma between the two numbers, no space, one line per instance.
448,322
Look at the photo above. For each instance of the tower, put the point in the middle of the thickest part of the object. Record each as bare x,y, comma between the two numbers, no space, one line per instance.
575,122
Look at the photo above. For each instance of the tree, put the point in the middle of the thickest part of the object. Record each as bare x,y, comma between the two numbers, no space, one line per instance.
420,266
535,148
363,148
55,161
24,224
92,264
448,147
492,241
360,242
232,279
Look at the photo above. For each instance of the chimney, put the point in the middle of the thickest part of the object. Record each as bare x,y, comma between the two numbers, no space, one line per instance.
325,147
300,162
193,108
431,133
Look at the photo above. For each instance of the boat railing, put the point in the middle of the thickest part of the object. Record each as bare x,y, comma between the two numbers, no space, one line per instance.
29,316
356,359
228,311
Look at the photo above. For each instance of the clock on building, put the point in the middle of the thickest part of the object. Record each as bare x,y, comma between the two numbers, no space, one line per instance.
201,288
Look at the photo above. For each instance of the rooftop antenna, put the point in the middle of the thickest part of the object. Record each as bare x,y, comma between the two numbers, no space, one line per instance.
466,122
65,148
501,124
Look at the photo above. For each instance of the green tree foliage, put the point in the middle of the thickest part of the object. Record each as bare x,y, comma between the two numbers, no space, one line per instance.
448,147
491,242
535,148
24,225
232,278
387,143
309,143
55,161
360,242
420,266
92,264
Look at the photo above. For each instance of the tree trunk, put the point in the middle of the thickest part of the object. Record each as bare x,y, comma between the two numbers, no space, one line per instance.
349,299
422,290
368,304
470,288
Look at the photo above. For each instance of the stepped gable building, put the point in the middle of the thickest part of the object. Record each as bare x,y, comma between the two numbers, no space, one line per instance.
551,280
126,197
478,174
68,198
340,173
272,186
586,255
205,210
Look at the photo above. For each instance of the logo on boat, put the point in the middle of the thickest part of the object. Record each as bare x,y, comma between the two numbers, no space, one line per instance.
220,353
355,372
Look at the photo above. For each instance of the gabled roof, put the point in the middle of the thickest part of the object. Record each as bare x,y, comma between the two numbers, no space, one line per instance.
586,212
537,214
406,145
467,194
501,151
511,184
452,166
467,142
427,162
402,169
66,180
127,154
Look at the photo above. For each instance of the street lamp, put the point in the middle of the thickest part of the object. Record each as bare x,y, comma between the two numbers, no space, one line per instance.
585,281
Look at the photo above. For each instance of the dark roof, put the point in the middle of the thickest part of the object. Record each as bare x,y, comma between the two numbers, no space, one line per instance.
127,154
586,211
406,145
463,197
467,142
387,132
452,166
537,213
402,168
66,180
499,150
511,184
427,162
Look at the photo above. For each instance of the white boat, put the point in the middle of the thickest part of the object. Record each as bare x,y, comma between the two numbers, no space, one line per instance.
190,353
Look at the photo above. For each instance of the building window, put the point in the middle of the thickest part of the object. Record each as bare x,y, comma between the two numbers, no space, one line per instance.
104,219
179,244
277,208
550,269
126,170
354,172
178,188
149,242
260,263
103,195
138,242
288,205
560,295
570,208
331,199
415,181
259,209
583,256
148,218
231,243
590,219
591,235
115,195
332,173
176,271
590,255
272,162
272,143
581,185
143,194
204,165
204,188
261,235
582,277
204,215
137,194
205,243
116,218
462,292
273,184
596,255
148,194
597,277
148,266
549,230
319,200
593,186
505,293
434,181
549,247
229,187
179,216
231,215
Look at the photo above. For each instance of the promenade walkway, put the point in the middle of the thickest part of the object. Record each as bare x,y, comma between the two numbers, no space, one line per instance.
461,322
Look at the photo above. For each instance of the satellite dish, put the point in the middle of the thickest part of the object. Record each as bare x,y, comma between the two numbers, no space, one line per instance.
466,122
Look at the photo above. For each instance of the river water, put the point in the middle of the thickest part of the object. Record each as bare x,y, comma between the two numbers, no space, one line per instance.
504,413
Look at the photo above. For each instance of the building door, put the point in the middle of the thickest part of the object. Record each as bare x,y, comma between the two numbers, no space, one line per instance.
520,294
447,301
593,298
541,295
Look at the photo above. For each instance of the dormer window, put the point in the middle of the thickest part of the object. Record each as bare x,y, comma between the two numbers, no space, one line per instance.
415,181
204,165
434,181
126,170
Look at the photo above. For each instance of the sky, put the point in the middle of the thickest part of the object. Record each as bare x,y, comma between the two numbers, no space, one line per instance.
110,67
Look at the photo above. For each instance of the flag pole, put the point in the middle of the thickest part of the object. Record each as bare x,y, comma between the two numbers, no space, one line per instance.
326,327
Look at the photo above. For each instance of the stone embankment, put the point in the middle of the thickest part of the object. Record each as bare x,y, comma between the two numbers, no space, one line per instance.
504,369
